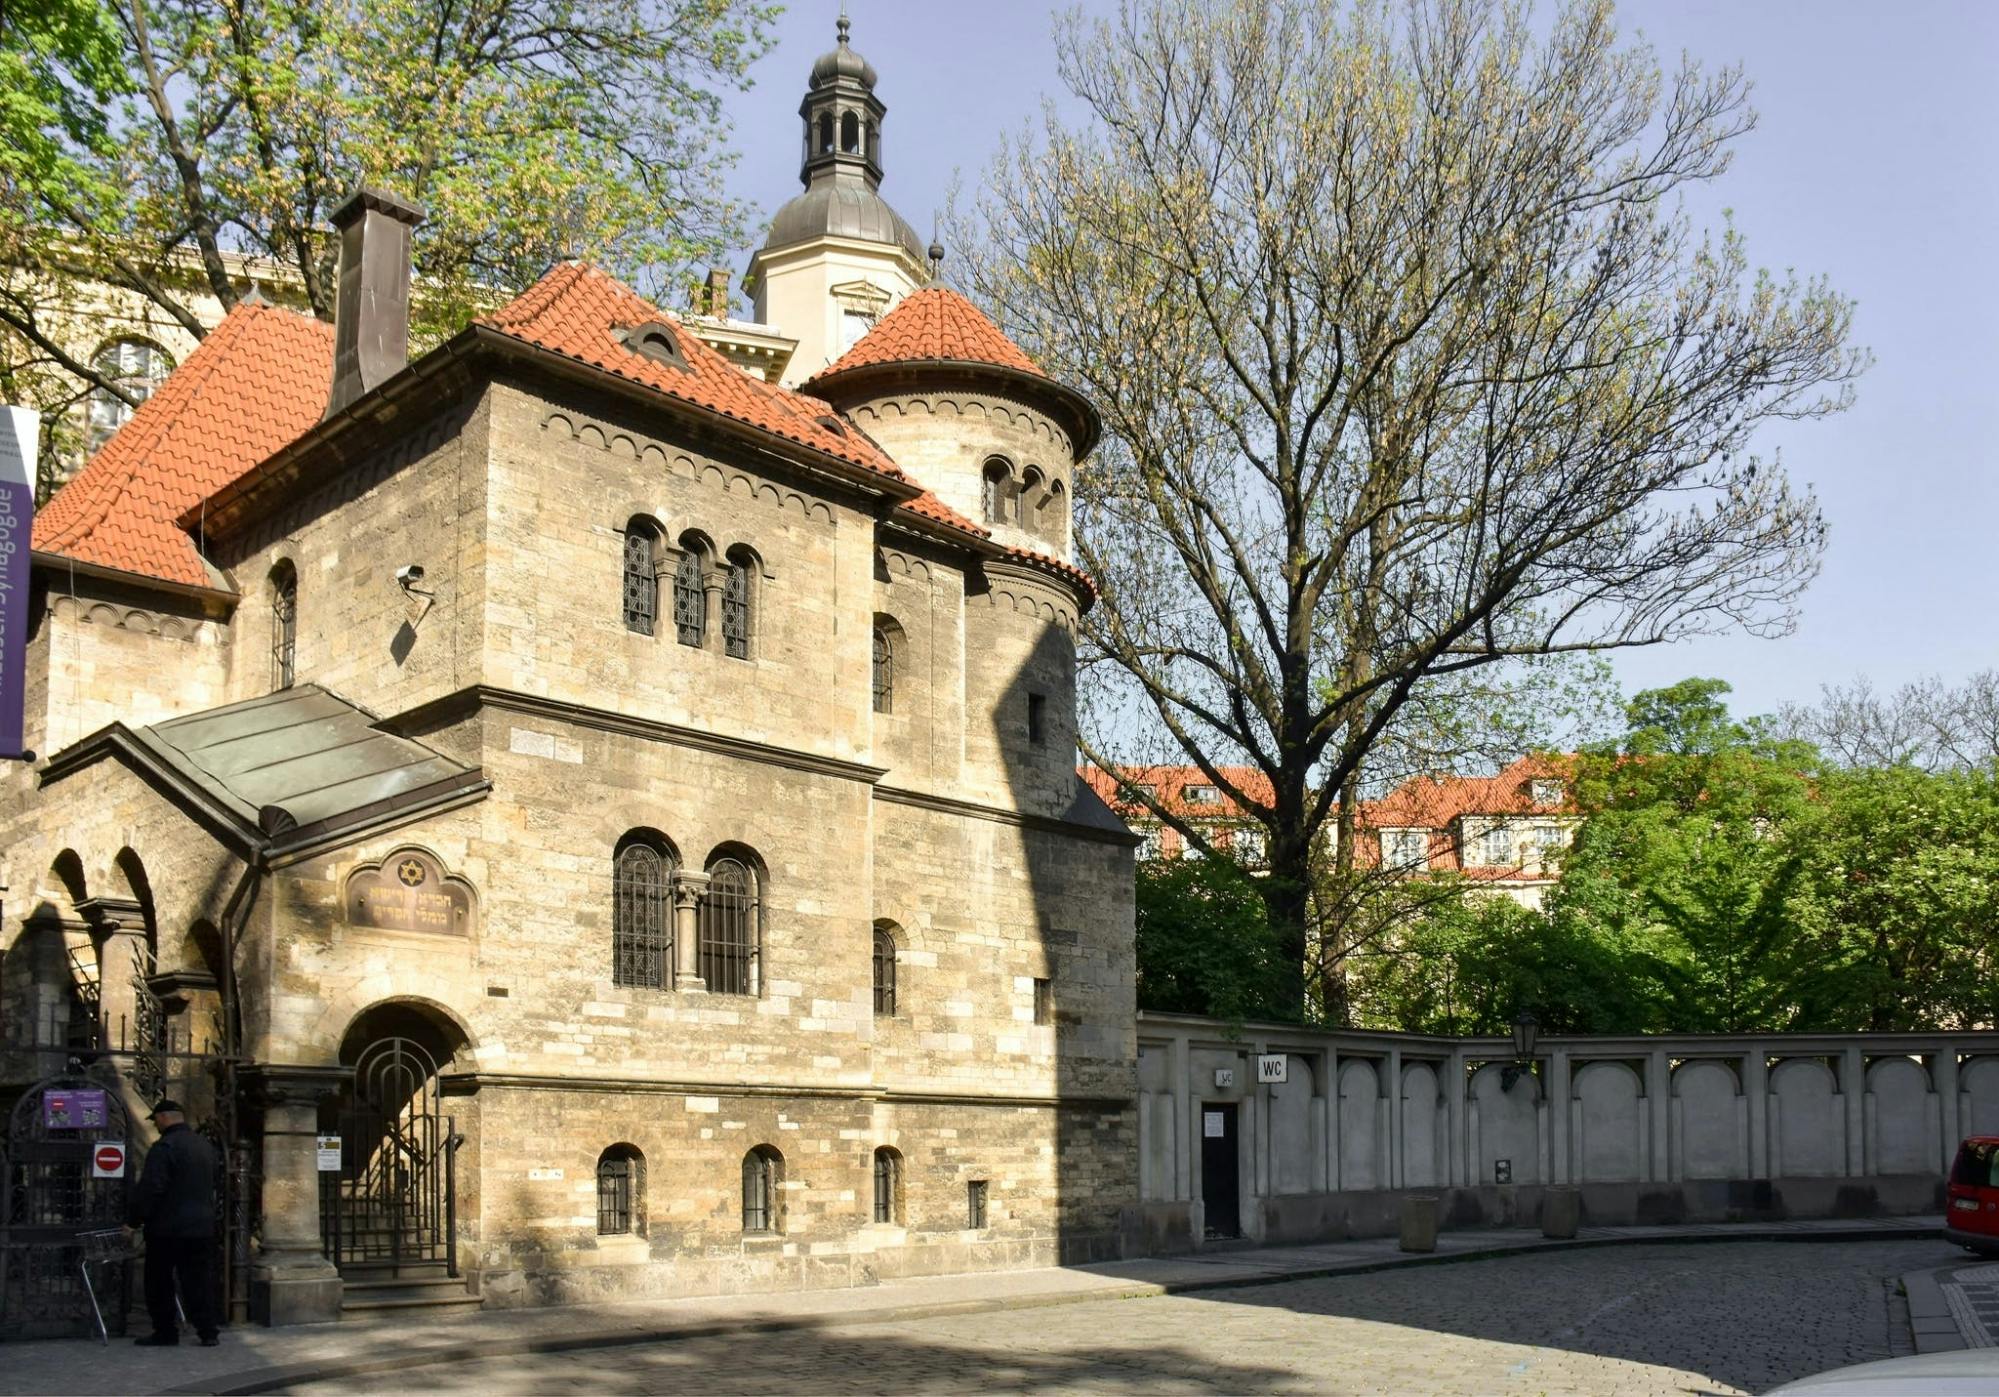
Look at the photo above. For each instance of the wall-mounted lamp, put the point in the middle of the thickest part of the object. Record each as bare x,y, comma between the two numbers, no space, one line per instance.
1526,1030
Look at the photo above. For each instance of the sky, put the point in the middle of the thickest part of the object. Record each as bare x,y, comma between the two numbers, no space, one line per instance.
1875,161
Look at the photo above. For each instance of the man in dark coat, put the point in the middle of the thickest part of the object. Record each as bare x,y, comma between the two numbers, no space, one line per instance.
175,1203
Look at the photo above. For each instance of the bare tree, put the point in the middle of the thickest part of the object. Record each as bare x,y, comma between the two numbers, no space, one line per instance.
1927,724
1410,364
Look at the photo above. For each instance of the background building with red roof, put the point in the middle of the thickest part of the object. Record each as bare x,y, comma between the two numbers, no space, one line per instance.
656,776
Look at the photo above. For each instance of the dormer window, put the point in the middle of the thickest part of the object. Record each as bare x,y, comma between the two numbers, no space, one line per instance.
657,340
1546,792
1202,795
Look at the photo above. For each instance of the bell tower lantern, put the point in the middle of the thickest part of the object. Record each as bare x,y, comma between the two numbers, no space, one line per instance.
838,257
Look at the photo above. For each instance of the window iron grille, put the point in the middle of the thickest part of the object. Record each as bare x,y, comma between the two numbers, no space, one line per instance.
884,678
284,630
690,600
888,1185
736,613
642,918
975,1204
641,583
761,1177
884,972
618,1175
1044,1001
730,929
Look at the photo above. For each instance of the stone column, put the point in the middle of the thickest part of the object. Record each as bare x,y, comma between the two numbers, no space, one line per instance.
1184,1124
1943,1081
291,1279
1853,1082
1455,1091
688,889
1393,1086
1756,1091
1560,1109
1658,1102
118,931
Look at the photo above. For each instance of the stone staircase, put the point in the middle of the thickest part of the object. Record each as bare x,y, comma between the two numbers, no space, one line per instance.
381,1289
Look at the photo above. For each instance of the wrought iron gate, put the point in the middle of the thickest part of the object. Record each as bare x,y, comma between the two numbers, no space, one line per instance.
394,1198
50,1196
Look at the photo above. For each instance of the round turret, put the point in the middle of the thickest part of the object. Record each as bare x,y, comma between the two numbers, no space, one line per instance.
965,412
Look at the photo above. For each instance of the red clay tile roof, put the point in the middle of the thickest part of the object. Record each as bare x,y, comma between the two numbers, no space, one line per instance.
930,507
1067,571
1430,802
1168,784
577,310
253,385
934,324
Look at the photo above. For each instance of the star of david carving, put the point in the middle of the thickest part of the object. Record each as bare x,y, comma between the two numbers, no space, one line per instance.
410,871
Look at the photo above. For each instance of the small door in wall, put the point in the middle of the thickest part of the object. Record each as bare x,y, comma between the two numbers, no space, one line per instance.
1221,1192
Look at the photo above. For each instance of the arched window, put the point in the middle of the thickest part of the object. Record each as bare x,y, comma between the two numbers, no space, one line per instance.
874,143
641,578
888,1185
621,1173
884,670
825,133
731,927
284,625
137,367
642,912
1033,498
763,1181
690,597
996,488
884,961
850,134
736,615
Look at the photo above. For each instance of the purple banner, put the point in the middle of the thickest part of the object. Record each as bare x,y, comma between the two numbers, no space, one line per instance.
20,435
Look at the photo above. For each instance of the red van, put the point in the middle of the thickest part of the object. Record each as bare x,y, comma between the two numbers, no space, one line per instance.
1971,1209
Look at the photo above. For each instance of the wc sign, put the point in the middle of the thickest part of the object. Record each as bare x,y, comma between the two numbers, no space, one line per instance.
1273,1067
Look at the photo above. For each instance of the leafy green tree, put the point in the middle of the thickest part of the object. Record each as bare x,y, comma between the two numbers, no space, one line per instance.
1410,363
1684,859
1472,964
528,130
1895,901
1204,942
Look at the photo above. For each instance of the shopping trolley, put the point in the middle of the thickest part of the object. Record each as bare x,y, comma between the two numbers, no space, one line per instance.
101,1247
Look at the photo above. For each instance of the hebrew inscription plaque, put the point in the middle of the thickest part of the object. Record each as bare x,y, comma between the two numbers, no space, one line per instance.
409,891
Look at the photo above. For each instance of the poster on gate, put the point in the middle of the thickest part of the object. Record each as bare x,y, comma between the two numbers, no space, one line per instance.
20,439
74,1108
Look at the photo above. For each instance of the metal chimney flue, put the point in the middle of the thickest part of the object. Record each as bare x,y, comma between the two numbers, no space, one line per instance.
371,311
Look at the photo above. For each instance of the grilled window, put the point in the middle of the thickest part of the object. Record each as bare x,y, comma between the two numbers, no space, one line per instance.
642,916
975,1203
620,1185
731,927
736,612
884,971
641,581
1044,1001
763,1176
690,600
284,627
884,672
888,1185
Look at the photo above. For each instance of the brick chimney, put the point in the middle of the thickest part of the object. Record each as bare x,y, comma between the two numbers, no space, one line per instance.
718,292
371,314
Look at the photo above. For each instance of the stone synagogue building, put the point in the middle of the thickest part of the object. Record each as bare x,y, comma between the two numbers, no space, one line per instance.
630,802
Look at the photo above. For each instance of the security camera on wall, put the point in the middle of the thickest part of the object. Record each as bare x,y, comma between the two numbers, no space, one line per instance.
408,575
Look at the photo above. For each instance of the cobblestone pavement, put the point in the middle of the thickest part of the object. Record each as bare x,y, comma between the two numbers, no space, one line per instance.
1723,1317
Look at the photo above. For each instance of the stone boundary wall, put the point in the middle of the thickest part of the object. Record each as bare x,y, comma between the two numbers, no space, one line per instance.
1666,1128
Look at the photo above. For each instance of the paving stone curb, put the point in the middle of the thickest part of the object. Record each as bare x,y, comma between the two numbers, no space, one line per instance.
278,1378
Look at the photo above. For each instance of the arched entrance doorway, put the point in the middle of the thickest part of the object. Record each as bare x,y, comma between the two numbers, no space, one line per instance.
392,1204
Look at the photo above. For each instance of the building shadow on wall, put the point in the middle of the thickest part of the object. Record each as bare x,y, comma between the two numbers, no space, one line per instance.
1079,868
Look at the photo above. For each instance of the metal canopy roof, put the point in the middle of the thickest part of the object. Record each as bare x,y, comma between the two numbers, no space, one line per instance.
289,766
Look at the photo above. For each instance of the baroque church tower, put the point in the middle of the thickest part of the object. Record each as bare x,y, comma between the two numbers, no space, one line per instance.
838,257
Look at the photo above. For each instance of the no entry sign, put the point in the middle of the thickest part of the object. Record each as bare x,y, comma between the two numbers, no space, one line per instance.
107,1159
